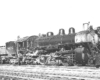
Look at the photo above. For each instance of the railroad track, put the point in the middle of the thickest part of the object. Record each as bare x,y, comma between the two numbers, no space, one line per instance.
49,73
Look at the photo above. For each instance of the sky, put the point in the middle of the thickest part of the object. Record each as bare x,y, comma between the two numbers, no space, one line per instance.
31,17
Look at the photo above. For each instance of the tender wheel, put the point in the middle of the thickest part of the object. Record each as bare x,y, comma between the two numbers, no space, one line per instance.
83,63
97,66
67,62
43,60
64,63
58,62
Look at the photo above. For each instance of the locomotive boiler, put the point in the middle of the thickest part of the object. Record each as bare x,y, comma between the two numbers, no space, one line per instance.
80,48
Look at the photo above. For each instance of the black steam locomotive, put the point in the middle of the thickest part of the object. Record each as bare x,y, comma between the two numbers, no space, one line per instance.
70,49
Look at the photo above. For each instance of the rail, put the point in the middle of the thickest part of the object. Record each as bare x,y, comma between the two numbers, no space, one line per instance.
49,73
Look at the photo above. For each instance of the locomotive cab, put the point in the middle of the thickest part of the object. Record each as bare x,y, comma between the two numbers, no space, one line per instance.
87,36
90,39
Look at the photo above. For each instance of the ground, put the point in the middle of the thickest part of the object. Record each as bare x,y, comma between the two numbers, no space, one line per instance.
50,72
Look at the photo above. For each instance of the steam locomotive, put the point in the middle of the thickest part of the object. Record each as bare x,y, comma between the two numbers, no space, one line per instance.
82,48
